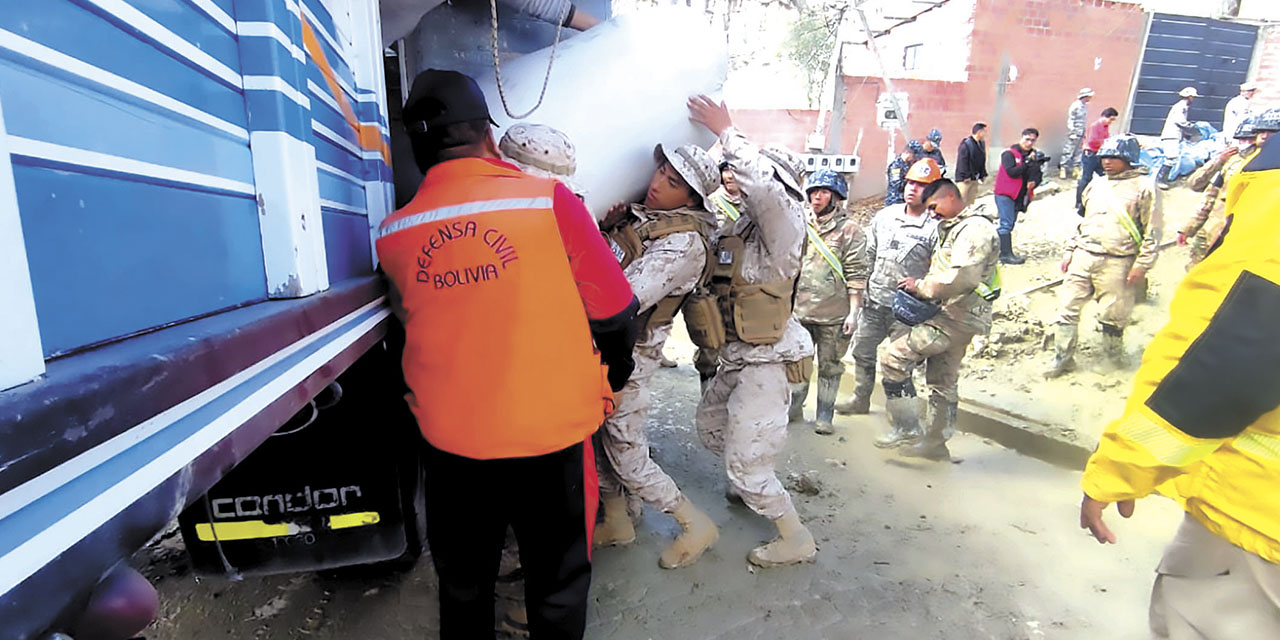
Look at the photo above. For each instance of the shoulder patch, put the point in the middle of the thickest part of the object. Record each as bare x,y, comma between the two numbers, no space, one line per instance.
1230,375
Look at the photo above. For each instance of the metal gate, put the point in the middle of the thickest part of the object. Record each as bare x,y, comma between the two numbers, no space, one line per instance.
1181,51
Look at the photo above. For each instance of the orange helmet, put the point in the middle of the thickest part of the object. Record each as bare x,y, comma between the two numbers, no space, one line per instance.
924,171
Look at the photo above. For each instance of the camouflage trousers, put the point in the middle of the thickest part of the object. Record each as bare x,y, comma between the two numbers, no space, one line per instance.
743,418
831,343
626,465
939,347
875,323
1072,148
706,362
1207,235
1101,278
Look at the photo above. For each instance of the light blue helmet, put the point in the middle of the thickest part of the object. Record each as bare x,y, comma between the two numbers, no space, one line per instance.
1124,147
1268,121
827,179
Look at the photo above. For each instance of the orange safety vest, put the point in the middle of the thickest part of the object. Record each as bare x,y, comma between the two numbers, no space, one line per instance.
499,357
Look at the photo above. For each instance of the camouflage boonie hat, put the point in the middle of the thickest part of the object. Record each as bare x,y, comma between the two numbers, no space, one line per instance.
694,165
788,165
542,151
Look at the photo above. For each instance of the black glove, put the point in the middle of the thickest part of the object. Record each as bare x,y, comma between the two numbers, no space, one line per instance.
616,337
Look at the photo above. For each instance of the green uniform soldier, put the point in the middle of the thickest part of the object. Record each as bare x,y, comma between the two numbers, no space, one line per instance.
833,276
945,309
1110,253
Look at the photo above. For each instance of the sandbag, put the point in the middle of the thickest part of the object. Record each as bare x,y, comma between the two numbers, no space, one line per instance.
617,90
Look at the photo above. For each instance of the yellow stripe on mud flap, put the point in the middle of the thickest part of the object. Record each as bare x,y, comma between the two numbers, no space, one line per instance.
244,530
349,520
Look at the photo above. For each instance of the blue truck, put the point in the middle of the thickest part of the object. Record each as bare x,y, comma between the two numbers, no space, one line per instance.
187,194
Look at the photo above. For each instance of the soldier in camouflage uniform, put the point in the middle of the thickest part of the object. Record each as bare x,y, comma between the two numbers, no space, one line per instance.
663,246
900,242
1077,120
962,280
829,294
726,203
897,172
743,414
1111,251
1204,227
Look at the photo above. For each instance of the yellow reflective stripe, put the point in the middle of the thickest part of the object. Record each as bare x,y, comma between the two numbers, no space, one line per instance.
1165,447
727,207
825,251
1122,216
349,520
244,530
1265,446
988,290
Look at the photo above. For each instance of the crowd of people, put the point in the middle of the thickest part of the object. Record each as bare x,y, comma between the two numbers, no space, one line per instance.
532,377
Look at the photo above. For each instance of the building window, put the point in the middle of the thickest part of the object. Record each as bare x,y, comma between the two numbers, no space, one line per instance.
911,57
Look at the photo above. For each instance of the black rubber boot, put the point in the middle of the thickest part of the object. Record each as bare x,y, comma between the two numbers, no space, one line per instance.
1006,251
904,414
827,388
860,403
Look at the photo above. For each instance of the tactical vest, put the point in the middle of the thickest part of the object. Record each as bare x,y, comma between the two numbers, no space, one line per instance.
627,240
753,313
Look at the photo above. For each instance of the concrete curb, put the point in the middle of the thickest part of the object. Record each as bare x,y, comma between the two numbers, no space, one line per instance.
1022,434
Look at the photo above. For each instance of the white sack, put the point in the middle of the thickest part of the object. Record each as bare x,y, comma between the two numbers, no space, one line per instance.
617,90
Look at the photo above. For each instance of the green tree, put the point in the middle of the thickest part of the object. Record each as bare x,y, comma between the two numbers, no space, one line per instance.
809,46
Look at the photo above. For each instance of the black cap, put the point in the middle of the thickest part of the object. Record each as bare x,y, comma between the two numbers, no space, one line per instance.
442,97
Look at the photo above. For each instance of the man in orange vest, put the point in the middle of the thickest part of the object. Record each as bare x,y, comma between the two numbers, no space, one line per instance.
500,278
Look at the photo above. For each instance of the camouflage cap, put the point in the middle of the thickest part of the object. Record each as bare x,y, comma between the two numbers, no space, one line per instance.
541,151
788,165
1246,130
694,165
1268,120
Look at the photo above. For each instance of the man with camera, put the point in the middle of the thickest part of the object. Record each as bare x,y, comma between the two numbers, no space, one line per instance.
1021,169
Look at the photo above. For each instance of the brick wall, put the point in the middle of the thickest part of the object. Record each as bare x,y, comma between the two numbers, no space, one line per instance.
1266,70
1058,46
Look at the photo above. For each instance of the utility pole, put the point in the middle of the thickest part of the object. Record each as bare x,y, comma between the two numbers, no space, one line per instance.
884,73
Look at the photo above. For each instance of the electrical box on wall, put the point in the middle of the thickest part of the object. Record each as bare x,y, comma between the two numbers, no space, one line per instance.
887,114
840,163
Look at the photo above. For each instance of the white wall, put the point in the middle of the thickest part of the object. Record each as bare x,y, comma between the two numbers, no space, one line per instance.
944,35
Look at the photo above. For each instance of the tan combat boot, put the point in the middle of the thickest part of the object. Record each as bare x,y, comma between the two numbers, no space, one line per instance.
616,529
1064,355
793,545
698,536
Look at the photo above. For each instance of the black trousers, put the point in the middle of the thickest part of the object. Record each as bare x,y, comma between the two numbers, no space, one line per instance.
549,501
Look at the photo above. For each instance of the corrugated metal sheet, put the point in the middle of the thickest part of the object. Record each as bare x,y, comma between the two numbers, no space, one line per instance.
1182,51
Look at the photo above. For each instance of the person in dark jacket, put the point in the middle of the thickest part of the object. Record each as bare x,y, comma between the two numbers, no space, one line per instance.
971,162
897,173
1016,180
932,146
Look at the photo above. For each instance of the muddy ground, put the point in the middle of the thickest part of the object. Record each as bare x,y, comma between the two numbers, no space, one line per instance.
986,548
1006,369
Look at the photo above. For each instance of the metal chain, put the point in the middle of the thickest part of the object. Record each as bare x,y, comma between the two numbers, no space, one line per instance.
497,66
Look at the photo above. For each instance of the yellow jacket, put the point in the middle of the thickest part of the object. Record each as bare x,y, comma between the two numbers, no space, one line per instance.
1202,424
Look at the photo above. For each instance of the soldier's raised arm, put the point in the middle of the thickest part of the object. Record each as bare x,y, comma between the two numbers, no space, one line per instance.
773,199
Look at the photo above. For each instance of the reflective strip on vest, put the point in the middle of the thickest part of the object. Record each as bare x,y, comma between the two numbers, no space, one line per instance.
825,251
989,290
498,355
727,207
470,208
1113,207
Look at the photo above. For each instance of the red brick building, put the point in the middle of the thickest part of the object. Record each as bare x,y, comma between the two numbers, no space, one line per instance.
1009,63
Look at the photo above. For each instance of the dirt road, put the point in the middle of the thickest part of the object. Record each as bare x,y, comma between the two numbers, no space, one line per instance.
987,548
